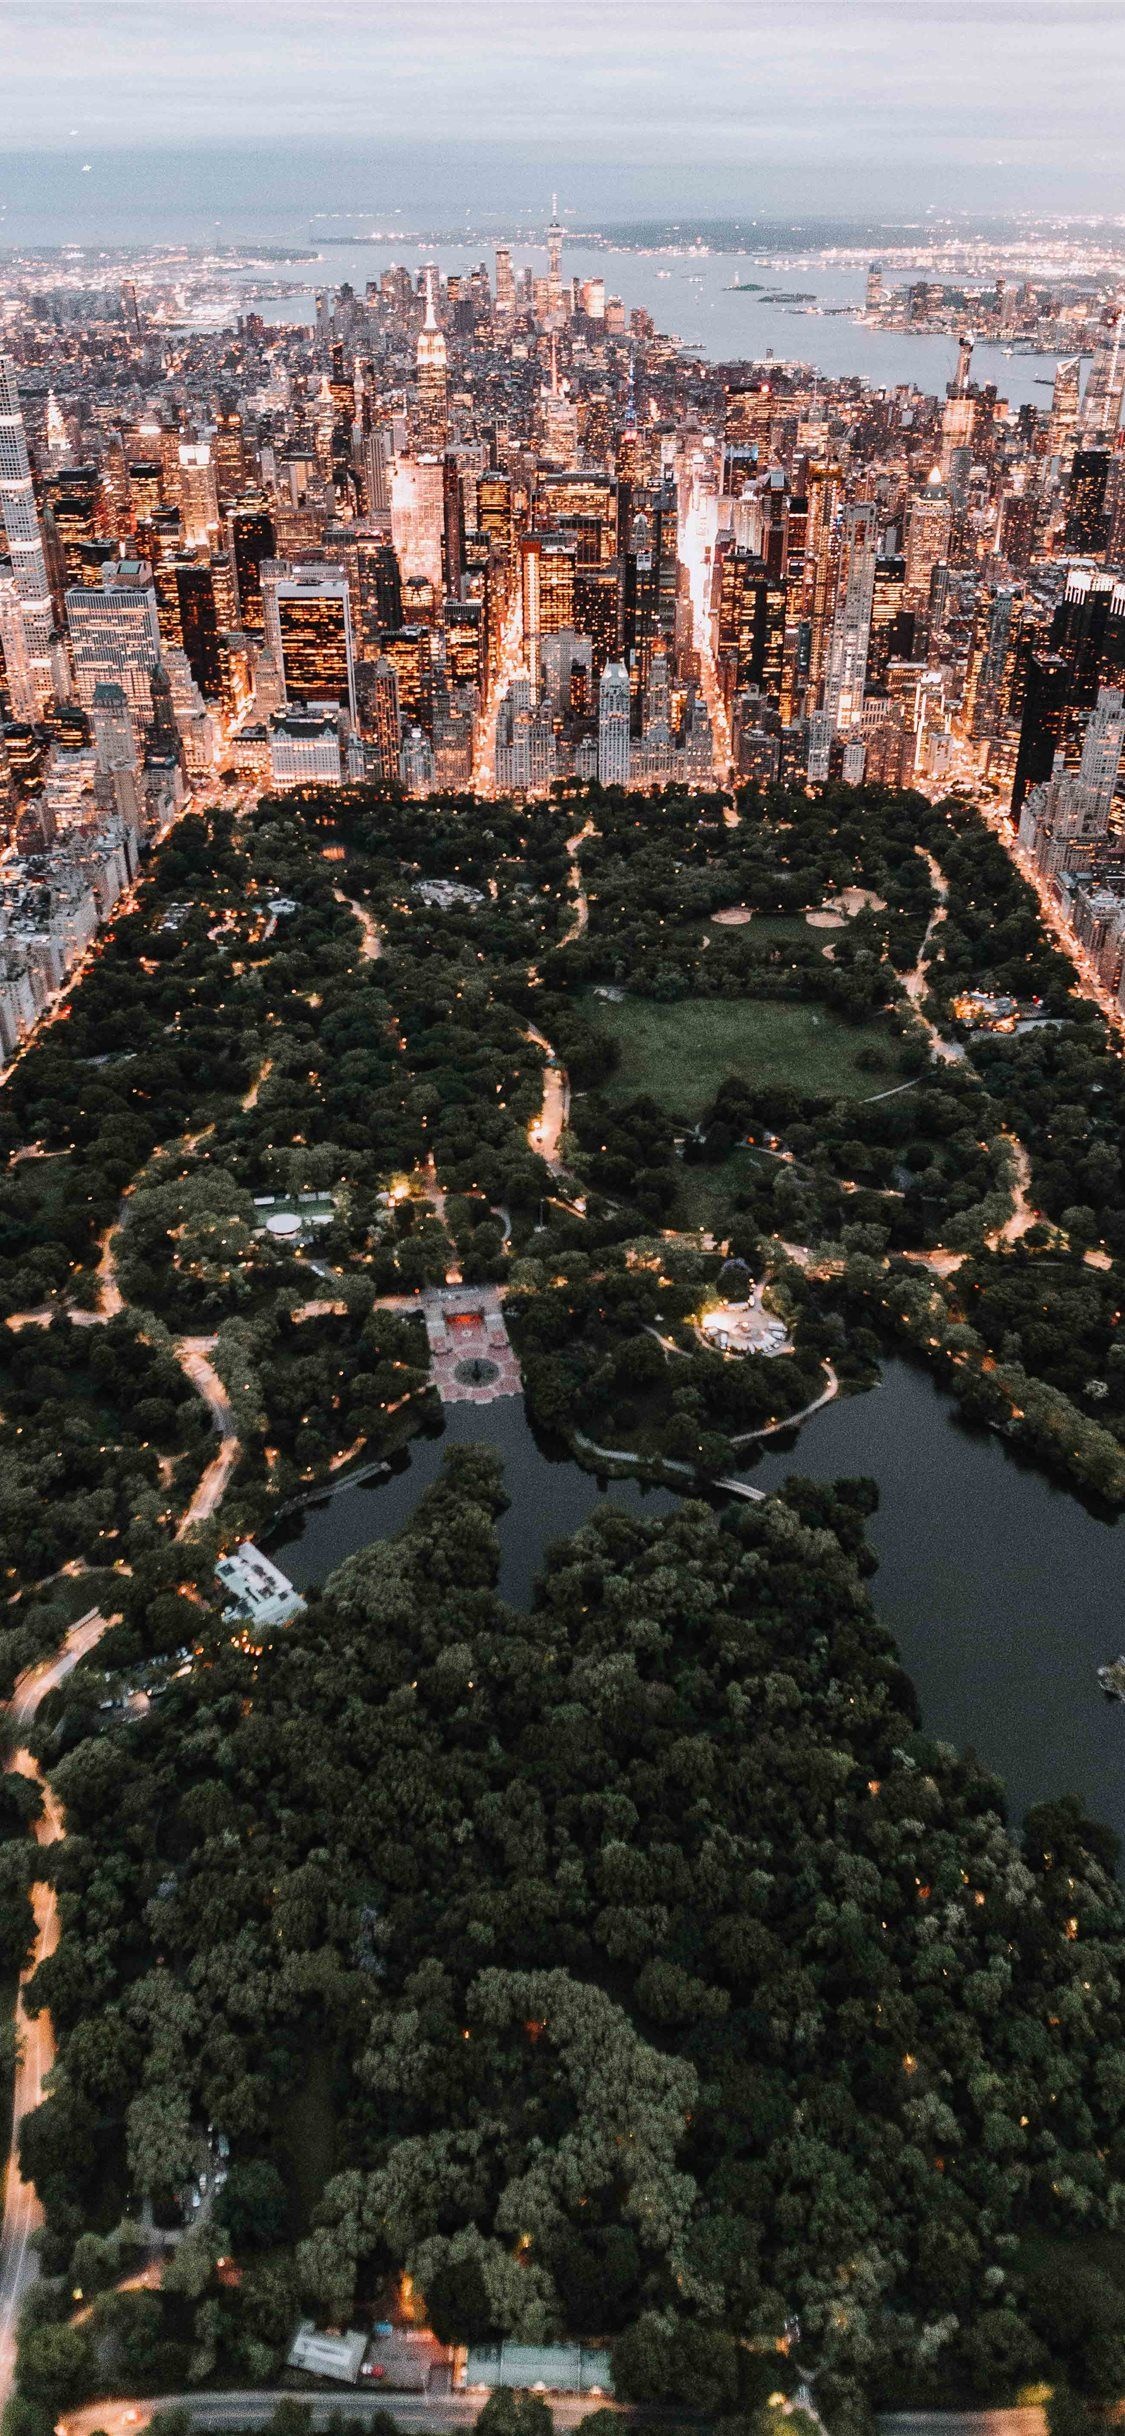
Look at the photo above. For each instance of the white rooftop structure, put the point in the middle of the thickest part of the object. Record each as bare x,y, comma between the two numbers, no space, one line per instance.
260,1593
327,2355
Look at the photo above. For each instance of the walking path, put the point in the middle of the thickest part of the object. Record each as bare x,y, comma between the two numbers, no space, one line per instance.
667,1463
191,1354
916,982
1023,1216
372,940
546,1130
23,2213
581,914
770,1429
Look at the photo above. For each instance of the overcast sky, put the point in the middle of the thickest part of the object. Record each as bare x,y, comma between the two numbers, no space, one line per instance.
750,103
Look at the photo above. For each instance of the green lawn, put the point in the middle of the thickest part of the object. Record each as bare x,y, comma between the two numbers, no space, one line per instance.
679,1054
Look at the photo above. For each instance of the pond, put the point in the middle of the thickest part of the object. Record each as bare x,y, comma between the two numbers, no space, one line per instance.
1002,1592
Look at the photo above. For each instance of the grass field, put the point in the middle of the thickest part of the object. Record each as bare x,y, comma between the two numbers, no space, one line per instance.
679,1054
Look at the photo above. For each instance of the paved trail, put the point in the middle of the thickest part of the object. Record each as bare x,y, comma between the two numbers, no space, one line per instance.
372,941
916,983
191,1354
22,2213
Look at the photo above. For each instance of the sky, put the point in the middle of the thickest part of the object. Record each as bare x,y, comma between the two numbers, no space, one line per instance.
630,105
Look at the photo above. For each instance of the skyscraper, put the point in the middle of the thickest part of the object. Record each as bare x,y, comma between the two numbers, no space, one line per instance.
308,626
1064,404
384,723
1087,524
554,266
431,420
613,725
1090,792
928,528
851,622
25,544
505,284
115,634
199,499
1101,405
253,541
418,518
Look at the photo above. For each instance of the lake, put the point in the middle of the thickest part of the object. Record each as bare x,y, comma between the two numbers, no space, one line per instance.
1003,1593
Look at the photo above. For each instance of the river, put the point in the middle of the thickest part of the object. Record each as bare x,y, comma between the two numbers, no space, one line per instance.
1002,1592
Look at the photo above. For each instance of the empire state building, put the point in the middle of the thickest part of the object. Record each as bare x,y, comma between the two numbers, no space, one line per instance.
433,374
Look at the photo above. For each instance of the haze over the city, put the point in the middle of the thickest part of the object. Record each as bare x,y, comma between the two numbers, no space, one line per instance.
434,109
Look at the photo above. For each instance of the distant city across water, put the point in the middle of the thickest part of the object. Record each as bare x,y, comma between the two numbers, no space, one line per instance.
150,198
700,298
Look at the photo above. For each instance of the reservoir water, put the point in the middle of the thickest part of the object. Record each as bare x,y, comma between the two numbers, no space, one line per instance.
1003,1593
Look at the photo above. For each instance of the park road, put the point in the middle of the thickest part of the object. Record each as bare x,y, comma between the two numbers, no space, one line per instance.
22,2211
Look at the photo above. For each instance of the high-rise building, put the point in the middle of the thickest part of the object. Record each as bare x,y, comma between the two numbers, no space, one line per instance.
495,508
431,419
376,470
116,756
253,542
15,667
613,725
851,621
416,762
383,723
554,267
1101,404
1064,405
453,525
751,625
1087,524
409,654
418,518
929,525
1046,678
115,634
892,626
198,496
380,584
308,624
72,496
1091,790
505,285
25,542
200,622
228,457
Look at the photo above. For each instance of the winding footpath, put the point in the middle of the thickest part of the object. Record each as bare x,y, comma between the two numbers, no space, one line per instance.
547,1129
916,983
372,938
23,2212
191,1354
581,915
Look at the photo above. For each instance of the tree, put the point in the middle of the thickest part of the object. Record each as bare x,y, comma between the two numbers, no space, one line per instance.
514,2414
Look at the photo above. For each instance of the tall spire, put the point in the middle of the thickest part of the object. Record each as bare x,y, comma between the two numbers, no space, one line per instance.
554,265
432,371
